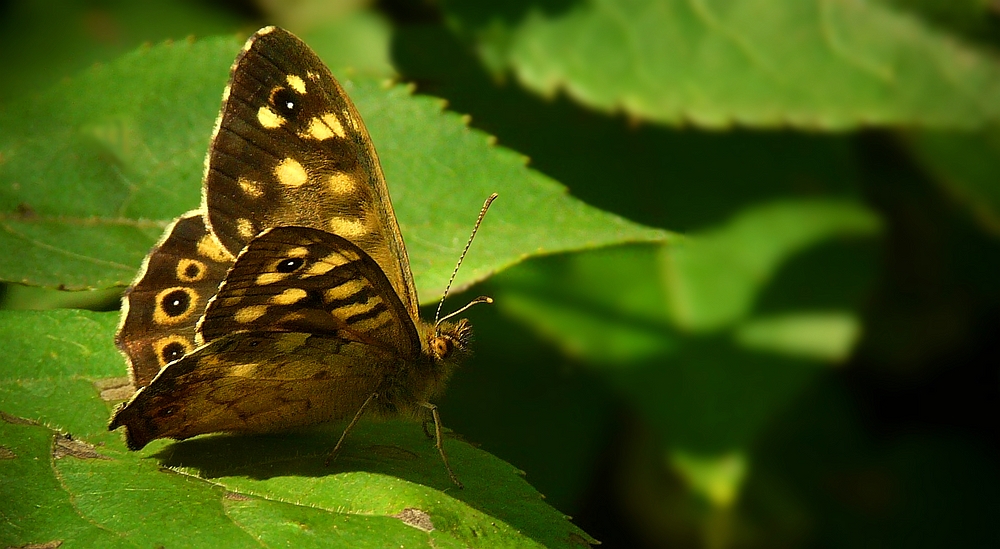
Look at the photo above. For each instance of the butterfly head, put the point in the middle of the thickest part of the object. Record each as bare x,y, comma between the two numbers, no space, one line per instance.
449,339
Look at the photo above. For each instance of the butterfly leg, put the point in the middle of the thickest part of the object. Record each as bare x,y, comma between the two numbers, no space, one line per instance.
440,444
333,453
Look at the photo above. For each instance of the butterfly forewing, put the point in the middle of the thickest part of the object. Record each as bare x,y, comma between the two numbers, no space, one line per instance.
168,297
297,279
291,150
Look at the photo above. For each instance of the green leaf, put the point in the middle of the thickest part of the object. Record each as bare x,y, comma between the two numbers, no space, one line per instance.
237,490
626,304
601,306
714,278
93,170
46,40
714,63
965,164
51,363
358,41
767,298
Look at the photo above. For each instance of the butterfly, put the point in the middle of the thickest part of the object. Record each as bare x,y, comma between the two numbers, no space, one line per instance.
287,298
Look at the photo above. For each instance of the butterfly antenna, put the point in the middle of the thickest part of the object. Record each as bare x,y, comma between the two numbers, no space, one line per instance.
481,299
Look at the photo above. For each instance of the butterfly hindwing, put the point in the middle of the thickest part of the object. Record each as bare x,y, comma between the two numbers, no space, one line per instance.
297,279
291,150
254,382
178,278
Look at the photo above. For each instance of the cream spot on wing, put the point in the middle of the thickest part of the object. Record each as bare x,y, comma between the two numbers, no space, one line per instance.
296,83
268,118
368,324
230,301
323,127
210,248
342,183
250,187
299,251
327,264
289,296
333,122
290,173
243,370
317,130
344,290
292,316
347,228
271,278
250,313
245,228
352,309
225,93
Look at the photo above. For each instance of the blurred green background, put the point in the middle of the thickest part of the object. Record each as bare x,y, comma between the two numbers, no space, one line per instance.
815,362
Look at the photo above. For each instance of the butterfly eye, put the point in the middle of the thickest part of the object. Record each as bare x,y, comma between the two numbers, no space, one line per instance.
287,102
290,265
441,347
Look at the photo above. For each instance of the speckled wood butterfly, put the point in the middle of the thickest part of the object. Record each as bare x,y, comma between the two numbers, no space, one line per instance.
287,298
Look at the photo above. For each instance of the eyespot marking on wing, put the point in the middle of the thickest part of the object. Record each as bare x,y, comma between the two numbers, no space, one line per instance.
174,305
170,348
190,270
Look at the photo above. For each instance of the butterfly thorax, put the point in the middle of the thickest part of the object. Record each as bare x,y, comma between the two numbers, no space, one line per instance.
424,378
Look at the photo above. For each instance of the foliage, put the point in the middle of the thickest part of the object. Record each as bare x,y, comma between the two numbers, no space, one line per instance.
741,287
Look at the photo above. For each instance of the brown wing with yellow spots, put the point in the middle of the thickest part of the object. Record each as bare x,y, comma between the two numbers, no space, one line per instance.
291,150
161,308
297,279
